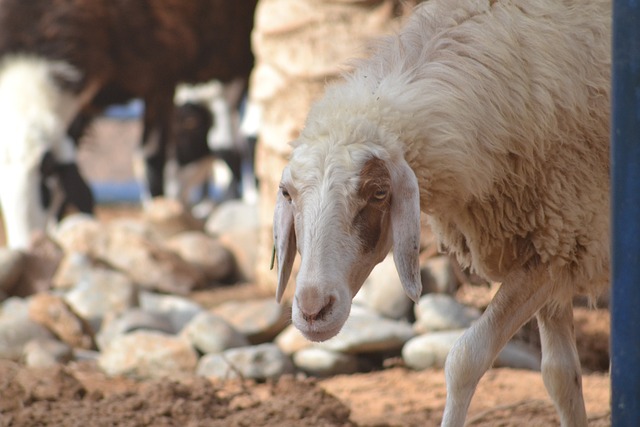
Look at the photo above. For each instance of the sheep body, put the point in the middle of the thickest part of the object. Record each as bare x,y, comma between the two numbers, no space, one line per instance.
493,118
494,138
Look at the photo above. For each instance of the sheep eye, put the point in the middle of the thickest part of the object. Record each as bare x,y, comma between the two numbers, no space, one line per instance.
285,194
380,195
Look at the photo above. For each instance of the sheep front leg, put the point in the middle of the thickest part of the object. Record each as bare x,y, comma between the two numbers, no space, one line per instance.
560,363
518,299
155,141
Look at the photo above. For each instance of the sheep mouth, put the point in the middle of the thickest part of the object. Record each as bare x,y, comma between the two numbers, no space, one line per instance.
313,333
320,330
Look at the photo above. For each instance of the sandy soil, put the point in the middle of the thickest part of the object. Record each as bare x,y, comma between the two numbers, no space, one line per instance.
79,395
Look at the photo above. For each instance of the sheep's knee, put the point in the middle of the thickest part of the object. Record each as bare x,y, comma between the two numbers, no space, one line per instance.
466,363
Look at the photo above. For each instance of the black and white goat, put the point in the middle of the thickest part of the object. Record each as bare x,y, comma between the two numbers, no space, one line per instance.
207,128
60,59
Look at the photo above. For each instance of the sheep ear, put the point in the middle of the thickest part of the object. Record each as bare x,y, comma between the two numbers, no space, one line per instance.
284,237
405,224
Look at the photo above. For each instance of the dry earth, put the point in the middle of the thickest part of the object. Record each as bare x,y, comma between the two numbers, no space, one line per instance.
80,395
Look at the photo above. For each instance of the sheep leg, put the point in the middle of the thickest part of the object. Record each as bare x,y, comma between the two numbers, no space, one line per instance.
518,299
560,363
155,138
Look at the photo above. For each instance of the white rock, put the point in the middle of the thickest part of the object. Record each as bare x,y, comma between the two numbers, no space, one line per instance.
260,362
180,310
383,292
16,333
132,249
14,307
147,354
368,332
211,334
291,340
203,252
42,353
321,363
17,328
518,355
431,350
168,217
132,320
259,320
72,269
102,291
232,215
441,312
77,233
236,224
243,245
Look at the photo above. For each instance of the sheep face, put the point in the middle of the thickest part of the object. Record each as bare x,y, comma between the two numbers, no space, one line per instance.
343,219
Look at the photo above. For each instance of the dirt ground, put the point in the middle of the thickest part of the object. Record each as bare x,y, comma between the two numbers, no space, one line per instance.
79,395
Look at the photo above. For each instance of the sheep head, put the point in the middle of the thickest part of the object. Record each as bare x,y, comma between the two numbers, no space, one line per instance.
343,209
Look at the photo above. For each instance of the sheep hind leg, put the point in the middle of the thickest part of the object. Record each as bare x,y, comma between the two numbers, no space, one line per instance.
518,299
560,363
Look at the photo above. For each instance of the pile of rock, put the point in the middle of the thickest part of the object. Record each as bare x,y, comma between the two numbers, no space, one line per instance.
135,296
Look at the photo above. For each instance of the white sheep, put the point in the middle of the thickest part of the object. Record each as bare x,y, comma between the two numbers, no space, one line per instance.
492,117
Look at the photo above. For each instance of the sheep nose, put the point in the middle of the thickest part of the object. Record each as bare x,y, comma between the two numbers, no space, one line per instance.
313,305
310,317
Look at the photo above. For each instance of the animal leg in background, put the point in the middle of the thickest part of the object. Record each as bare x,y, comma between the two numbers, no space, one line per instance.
155,138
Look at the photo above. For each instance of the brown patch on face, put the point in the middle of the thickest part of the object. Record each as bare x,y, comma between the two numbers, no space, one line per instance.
375,192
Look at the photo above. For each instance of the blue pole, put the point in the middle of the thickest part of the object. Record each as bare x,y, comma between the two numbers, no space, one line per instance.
625,198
